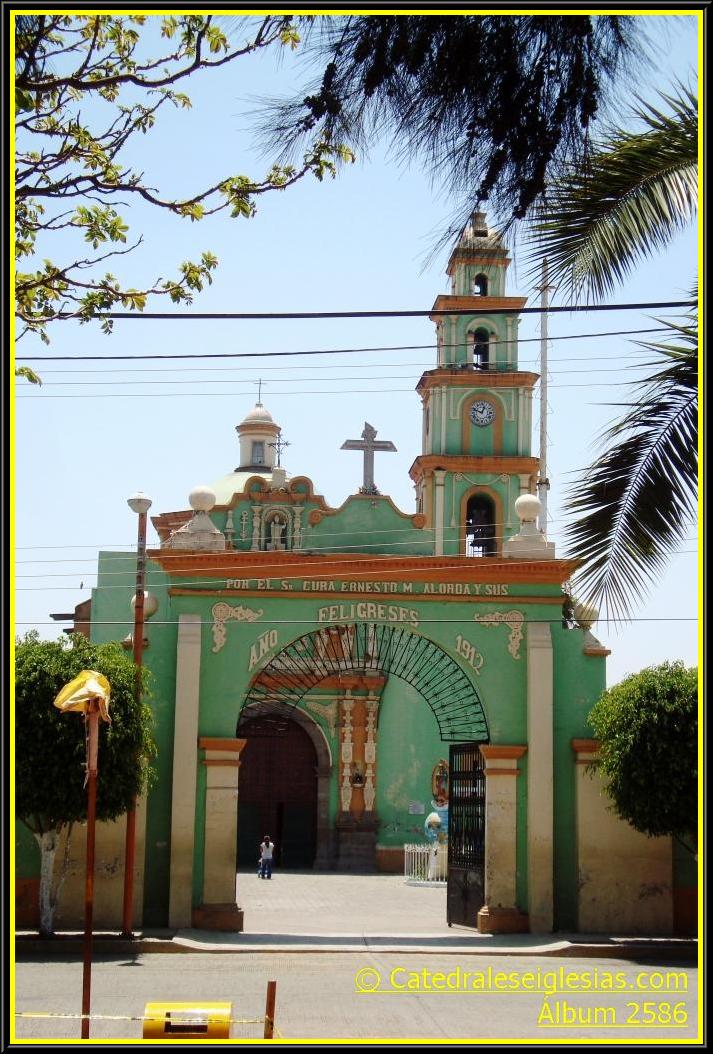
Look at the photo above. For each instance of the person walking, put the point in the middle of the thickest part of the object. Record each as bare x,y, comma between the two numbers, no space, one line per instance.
266,851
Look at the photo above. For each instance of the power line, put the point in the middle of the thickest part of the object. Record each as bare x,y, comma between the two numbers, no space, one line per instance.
225,572
325,625
324,391
258,316
299,381
323,351
293,368
331,550
110,546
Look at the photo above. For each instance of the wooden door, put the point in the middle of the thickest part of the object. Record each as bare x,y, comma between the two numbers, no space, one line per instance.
277,795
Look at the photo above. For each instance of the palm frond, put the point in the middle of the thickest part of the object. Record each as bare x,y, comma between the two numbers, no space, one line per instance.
630,506
635,193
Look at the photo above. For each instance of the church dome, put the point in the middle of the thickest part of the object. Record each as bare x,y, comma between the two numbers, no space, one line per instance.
257,414
234,483
259,439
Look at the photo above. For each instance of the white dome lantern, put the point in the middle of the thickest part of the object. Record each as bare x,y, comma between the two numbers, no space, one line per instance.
258,413
258,433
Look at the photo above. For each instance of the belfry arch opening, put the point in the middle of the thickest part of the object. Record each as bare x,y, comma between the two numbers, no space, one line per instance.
481,349
480,526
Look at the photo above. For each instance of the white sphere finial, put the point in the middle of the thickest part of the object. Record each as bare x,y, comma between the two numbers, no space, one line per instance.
585,613
150,604
139,502
201,498
528,507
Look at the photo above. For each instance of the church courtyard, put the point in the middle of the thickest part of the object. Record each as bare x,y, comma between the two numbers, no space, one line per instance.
332,903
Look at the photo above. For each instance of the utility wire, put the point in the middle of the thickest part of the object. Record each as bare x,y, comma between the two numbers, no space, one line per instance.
130,574
325,351
305,380
307,573
199,316
109,546
240,394
294,368
310,622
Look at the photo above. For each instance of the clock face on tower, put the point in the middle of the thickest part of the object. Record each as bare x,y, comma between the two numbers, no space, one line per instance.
482,413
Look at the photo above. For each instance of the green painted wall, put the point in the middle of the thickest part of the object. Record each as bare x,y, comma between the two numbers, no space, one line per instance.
409,748
365,521
360,523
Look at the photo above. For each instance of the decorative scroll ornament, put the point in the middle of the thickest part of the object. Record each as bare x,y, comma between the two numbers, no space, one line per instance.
513,619
222,613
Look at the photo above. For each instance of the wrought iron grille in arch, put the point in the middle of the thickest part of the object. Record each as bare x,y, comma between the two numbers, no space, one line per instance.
366,647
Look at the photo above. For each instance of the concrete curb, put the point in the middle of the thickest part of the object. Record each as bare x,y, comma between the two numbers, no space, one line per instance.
680,950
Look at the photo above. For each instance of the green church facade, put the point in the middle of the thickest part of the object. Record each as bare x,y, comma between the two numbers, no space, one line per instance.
311,666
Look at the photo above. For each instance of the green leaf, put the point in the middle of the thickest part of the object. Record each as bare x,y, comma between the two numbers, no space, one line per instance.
636,192
28,374
24,100
290,36
631,506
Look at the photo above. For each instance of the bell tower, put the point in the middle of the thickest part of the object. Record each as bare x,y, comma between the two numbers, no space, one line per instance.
477,405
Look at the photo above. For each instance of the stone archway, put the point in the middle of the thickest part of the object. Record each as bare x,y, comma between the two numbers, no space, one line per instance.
323,855
355,660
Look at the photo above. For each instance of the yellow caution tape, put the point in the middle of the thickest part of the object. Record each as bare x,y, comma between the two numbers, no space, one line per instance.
187,1019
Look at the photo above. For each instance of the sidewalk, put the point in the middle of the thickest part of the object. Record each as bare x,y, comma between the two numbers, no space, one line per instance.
333,912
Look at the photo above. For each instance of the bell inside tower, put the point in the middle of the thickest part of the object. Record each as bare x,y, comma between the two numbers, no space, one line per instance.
480,527
481,349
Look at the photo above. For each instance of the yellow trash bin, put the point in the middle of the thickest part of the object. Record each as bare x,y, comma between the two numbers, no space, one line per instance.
190,1021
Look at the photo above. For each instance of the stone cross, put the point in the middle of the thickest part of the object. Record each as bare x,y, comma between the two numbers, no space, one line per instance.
368,444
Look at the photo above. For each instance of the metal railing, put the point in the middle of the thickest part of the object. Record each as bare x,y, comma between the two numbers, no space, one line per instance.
425,864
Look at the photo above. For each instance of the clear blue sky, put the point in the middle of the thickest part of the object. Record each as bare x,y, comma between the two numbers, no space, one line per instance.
89,438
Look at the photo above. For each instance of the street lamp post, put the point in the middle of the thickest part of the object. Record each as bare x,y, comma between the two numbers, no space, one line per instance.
138,503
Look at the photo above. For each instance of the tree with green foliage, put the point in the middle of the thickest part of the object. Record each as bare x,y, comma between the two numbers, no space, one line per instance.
86,87
648,729
50,747
494,104
637,190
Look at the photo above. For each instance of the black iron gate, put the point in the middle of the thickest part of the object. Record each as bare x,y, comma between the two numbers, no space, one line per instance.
466,835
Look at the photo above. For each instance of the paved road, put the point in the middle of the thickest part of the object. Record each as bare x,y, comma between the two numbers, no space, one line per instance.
318,995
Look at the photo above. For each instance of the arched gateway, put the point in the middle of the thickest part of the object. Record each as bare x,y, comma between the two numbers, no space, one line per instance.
351,663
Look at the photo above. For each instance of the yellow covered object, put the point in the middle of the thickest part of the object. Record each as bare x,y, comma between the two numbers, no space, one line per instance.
187,1021
86,686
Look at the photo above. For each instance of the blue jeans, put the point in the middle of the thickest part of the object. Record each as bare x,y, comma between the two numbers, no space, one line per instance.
266,869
